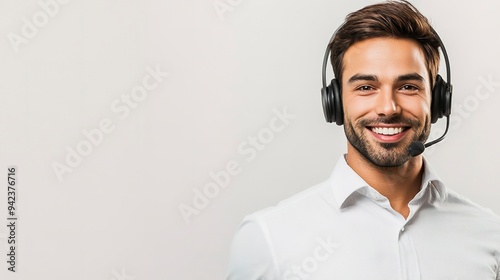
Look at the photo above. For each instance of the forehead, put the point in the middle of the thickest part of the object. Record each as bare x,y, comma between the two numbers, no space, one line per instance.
384,57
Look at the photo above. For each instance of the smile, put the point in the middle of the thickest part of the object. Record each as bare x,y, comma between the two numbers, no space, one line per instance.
388,130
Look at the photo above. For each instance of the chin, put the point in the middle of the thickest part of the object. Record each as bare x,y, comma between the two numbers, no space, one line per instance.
389,155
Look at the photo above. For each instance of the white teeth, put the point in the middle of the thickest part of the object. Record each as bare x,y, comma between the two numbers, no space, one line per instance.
387,130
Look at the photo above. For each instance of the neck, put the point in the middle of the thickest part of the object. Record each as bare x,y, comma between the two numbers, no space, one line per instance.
399,184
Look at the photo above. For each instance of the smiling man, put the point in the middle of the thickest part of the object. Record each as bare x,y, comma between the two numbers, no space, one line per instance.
383,213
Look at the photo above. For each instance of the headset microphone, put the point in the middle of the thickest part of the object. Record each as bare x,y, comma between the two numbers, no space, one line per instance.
417,147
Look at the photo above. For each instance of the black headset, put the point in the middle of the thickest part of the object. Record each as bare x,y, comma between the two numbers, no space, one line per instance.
331,95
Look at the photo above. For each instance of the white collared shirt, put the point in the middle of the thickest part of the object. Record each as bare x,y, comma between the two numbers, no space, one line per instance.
344,229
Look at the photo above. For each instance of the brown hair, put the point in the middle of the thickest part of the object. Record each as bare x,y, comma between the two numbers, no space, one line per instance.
395,19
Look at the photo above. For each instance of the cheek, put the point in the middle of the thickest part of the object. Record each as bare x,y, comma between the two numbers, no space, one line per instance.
423,109
419,107
356,107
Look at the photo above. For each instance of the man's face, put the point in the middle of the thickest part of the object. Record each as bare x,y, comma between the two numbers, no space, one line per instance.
386,99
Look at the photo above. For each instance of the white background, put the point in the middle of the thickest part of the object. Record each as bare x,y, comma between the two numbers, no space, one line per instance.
116,215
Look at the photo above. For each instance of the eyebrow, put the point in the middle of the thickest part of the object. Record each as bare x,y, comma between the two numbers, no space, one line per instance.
362,77
402,78
410,77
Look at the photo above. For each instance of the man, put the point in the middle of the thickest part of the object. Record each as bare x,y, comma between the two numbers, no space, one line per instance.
383,213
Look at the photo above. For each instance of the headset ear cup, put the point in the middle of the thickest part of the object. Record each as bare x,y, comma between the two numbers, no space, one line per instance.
337,97
332,104
448,92
327,100
437,106
441,99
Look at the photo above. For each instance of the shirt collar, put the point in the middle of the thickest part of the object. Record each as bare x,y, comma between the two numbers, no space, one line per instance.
344,182
432,181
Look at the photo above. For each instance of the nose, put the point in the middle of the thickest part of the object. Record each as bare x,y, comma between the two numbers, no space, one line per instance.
387,104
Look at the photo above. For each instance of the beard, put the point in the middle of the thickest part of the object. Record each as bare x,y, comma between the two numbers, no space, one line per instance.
385,154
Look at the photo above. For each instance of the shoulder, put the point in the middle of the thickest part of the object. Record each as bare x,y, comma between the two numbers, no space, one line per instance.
462,202
256,245
309,202
470,213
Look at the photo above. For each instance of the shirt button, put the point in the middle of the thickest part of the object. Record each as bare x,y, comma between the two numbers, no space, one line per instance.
402,229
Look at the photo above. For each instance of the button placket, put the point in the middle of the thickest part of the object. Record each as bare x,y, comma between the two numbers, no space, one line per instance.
410,267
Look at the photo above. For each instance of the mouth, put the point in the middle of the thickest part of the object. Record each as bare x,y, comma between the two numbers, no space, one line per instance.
389,133
388,130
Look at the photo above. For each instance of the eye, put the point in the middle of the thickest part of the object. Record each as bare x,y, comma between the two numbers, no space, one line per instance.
409,88
365,88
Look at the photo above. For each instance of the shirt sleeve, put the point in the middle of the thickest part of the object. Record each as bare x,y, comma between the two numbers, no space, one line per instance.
251,255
